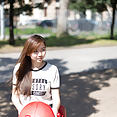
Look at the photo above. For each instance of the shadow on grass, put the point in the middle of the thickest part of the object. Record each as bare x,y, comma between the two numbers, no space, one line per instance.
18,42
63,41
67,41
75,90
53,41
75,40
106,37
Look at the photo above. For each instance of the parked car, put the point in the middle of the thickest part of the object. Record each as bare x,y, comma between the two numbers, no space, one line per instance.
86,25
72,25
47,23
32,22
29,22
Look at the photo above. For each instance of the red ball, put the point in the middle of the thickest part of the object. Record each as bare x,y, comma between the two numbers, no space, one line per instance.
36,109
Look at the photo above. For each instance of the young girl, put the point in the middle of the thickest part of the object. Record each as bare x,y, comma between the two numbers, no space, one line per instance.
35,79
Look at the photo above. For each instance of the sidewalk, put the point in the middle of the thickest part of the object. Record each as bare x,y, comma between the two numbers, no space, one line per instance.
107,100
88,81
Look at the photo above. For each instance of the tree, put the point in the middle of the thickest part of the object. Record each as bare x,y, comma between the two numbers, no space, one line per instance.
96,6
62,18
93,5
113,3
12,11
79,5
11,26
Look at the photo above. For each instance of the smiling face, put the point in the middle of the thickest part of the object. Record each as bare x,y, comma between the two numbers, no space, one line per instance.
39,54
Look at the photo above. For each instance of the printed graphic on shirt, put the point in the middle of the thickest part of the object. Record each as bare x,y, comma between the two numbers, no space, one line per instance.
40,87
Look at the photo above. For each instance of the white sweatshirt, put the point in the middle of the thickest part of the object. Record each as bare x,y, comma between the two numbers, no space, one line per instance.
43,80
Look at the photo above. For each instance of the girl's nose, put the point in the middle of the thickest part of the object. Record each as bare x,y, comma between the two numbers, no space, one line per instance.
40,54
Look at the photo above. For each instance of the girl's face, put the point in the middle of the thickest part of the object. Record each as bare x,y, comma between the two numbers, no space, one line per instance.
39,54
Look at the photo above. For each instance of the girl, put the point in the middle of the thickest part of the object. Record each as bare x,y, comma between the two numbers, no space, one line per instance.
35,79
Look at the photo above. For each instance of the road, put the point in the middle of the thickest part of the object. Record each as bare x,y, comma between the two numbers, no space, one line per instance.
68,60
88,78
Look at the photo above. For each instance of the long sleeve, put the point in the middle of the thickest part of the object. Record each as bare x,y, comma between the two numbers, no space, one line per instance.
15,98
55,85
16,101
56,101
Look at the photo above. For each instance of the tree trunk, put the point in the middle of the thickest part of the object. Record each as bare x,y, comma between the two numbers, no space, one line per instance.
62,18
113,21
11,27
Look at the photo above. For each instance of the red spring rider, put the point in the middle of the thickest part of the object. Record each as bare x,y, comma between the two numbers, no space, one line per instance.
40,109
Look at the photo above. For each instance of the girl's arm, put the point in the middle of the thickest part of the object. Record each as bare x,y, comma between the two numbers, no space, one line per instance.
56,100
15,100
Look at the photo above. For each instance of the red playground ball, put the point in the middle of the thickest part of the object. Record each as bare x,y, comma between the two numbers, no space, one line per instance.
36,109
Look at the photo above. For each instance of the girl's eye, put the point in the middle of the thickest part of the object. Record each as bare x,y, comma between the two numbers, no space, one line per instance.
35,51
43,49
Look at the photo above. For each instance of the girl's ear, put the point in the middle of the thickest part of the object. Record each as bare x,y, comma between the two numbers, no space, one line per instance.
28,55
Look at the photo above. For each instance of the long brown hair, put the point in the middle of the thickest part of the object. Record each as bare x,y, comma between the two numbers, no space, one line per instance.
23,75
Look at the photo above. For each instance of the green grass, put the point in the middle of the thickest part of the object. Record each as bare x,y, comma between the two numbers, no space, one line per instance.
18,42
80,40
26,31
65,41
69,40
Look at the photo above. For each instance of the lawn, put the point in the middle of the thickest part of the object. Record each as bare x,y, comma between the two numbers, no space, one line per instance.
86,40
26,31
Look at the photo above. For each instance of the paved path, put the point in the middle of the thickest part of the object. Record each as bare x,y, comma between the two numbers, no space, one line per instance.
107,100
88,80
69,60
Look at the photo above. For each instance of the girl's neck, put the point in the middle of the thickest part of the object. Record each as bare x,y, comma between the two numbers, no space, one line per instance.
37,65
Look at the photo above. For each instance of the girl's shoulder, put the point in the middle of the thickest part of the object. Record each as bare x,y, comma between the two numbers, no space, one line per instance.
51,66
16,67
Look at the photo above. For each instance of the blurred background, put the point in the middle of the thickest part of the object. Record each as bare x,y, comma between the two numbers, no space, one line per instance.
82,35
20,18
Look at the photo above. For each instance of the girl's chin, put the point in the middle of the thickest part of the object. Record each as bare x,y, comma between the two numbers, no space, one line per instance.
39,61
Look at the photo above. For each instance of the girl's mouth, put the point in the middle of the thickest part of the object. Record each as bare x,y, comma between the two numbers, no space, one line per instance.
39,58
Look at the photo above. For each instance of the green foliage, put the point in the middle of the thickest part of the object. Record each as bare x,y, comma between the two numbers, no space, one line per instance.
78,5
39,5
94,5
27,8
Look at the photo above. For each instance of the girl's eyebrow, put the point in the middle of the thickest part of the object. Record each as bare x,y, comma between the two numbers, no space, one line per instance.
41,48
44,48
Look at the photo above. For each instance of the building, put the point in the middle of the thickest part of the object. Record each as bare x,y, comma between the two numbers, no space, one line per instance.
49,12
